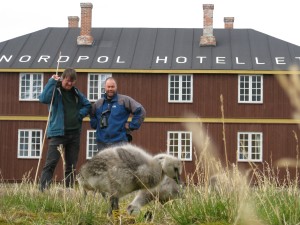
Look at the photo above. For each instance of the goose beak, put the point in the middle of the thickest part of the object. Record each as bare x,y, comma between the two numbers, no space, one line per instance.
177,177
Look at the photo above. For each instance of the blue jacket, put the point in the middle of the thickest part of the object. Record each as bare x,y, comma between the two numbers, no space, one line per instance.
119,110
56,120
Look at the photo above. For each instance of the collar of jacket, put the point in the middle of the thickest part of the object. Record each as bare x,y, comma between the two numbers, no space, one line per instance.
114,99
73,89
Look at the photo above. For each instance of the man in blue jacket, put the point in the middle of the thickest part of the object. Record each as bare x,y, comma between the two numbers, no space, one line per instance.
68,108
109,116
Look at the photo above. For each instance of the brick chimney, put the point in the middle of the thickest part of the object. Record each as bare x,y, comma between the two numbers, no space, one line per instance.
85,37
73,21
208,39
228,22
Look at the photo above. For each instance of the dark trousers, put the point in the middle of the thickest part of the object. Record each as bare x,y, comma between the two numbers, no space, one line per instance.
71,145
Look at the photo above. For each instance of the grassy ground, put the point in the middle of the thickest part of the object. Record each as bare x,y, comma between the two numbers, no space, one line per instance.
229,199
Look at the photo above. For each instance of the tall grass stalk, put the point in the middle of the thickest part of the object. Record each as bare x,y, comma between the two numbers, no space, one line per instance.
61,150
223,130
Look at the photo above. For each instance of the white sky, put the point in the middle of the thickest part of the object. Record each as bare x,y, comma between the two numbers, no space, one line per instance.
280,19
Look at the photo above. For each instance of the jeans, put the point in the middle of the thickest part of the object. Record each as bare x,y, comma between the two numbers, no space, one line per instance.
71,145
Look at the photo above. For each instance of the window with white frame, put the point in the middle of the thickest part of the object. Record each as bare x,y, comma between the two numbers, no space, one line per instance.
180,88
180,144
250,89
91,144
96,86
30,86
29,143
250,146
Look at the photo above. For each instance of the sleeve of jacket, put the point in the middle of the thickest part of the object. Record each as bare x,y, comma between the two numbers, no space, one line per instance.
138,114
46,96
85,108
93,118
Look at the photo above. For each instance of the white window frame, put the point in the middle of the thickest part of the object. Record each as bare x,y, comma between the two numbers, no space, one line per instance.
252,87
91,144
180,89
28,145
245,153
30,88
94,84
178,148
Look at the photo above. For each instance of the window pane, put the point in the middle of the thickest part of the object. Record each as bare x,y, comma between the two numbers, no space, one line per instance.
91,144
96,86
250,88
180,145
250,146
180,88
30,143
30,86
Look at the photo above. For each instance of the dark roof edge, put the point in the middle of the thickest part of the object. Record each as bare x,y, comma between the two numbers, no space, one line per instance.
157,71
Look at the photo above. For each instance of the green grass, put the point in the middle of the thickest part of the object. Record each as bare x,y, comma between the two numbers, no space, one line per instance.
233,201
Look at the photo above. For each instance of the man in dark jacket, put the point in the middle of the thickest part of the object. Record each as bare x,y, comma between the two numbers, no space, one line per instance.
109,116
68,108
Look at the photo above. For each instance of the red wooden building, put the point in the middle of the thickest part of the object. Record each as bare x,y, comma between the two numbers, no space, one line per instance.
172,71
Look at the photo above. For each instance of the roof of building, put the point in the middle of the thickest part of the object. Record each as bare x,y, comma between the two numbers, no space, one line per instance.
149,49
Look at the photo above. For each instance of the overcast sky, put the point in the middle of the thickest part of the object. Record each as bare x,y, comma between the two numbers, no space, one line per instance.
280,19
